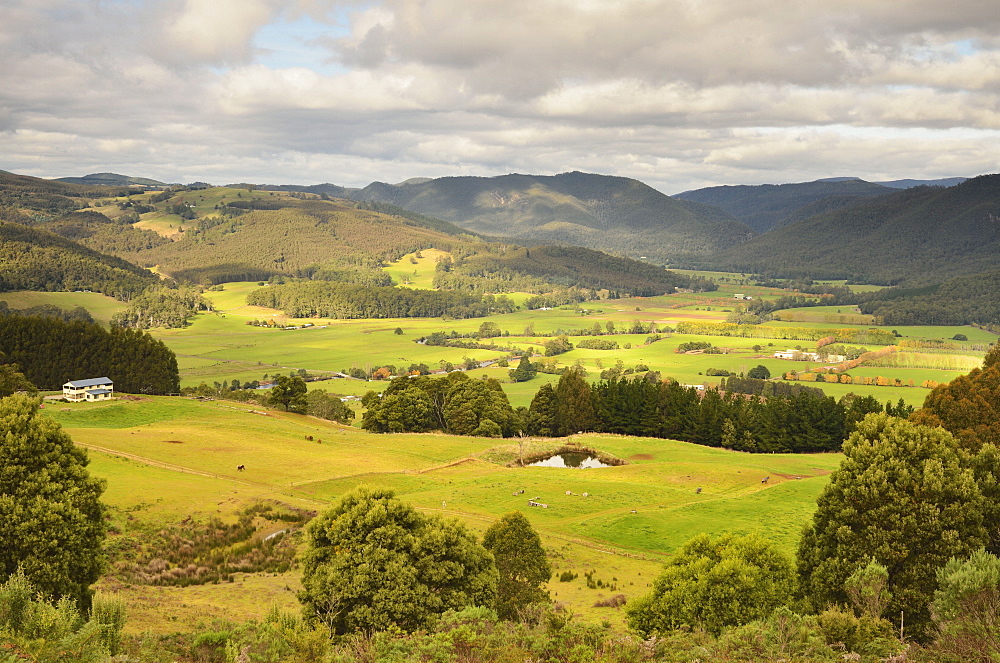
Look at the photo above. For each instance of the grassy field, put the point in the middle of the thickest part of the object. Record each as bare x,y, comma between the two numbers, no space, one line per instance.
166,459
101,308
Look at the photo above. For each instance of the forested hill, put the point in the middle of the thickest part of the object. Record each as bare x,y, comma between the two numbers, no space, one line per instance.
765,207
33,259
595,211
20,194
918,236
963,300
290,237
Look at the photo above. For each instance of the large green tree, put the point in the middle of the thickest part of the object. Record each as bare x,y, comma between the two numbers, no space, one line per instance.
525,370
906,496
323,405
521,562
713,583
374,563
290,393
12,380
51,518
471,403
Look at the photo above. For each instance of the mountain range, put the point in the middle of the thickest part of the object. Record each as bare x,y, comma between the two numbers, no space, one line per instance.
914,236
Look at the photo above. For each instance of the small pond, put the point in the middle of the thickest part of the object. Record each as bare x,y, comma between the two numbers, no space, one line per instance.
570,459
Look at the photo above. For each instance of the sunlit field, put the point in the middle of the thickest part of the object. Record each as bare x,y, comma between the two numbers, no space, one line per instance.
165,460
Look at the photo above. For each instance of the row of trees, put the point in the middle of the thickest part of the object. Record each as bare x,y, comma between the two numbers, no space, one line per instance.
785,419
51,352
308,299
870,336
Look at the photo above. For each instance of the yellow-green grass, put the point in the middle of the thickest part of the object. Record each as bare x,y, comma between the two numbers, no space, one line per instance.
167,458
416,272
100,307
198,608
168,225
829,315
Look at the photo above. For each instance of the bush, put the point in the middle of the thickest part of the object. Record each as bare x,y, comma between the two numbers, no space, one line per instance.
966,607
715,583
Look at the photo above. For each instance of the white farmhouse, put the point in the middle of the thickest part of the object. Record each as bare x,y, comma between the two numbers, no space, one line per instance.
94,389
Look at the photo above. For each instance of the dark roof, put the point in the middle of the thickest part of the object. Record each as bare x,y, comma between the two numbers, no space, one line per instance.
98,392
92,382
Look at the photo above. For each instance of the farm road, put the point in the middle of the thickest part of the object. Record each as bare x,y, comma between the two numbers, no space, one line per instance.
165,466
269,489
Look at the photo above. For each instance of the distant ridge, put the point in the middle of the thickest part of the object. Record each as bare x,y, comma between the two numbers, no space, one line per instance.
916,236
765,207
110,179
595,211
909,184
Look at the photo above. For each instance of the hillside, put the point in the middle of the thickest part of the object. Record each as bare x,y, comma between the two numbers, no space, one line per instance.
287,237
23,198
963,300
595,211
917,236
765,207
34,259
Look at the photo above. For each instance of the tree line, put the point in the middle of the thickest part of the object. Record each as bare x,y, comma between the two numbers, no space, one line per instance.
308,299
754,416
52,352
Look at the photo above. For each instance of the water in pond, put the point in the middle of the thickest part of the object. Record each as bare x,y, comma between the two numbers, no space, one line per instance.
569,459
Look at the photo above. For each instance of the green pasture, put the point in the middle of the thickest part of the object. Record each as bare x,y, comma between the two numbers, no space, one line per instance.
168,458
100,307
221,346
828,315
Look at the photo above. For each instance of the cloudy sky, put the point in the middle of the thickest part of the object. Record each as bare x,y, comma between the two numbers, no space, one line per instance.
678,93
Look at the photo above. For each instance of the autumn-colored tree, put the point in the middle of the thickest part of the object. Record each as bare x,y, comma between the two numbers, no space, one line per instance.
969,405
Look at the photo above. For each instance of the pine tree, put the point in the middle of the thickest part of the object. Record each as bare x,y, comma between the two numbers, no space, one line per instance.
542,416
574,405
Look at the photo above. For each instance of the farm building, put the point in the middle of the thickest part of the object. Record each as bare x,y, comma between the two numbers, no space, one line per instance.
93,389
797,355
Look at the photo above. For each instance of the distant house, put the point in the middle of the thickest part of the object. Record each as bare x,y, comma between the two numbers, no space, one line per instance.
94,389
797,355
742,296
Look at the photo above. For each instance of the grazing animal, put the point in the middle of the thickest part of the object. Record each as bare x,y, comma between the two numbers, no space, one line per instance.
765,479
697,491
240,468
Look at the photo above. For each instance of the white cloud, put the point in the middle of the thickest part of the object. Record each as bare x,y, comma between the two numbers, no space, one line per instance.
679,93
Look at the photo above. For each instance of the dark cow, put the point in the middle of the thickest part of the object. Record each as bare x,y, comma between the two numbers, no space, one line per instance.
240,468
765,479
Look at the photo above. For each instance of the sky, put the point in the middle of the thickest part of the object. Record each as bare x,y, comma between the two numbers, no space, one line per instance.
680,94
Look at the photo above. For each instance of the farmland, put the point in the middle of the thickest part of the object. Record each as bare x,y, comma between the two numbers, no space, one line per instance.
220,345
165,460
